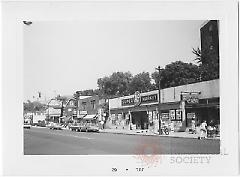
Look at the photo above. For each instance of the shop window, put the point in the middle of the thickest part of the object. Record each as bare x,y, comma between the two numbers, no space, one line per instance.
172,114
178,115
165,117
154,115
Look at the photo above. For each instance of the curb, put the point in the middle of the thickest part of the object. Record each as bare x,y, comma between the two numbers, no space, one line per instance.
156,135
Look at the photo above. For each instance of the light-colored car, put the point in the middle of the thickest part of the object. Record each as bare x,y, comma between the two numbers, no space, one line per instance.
57,126
90,128
54,126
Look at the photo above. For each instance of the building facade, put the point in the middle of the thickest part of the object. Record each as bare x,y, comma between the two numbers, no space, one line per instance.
91,108
179,107
210,36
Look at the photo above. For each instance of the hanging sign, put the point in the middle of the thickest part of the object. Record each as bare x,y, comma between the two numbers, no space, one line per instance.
190,98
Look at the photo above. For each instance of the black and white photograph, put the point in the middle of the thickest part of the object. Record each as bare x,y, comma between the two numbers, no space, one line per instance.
120,88
93,87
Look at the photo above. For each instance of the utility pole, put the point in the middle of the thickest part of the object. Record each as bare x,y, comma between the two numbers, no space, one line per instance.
159,99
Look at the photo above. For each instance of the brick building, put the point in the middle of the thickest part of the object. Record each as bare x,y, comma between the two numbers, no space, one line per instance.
210,36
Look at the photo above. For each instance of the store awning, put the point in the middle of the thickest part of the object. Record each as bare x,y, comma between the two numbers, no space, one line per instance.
90,116
80,116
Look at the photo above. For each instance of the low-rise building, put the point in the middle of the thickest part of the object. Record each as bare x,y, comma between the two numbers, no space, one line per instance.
180,107
92,108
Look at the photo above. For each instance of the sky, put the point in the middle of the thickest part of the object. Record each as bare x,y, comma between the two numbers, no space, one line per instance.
63,57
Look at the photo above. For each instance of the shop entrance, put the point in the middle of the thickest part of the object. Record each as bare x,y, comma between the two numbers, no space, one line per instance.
210,114
140,119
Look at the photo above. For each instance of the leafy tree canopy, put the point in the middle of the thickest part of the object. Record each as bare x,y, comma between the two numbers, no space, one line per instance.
33,106
177,73
208,63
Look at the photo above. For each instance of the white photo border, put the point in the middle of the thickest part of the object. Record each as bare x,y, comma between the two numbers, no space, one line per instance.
14,12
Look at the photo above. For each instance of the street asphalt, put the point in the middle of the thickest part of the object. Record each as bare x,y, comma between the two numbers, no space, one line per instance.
43,141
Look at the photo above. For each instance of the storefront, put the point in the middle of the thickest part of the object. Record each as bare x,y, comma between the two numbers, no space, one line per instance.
180,108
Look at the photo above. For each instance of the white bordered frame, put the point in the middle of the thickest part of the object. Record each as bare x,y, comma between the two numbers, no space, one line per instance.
14,12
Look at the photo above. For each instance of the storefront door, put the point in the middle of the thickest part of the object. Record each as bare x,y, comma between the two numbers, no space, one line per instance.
140,119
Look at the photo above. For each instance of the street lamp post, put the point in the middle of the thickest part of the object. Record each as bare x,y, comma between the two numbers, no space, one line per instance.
159,100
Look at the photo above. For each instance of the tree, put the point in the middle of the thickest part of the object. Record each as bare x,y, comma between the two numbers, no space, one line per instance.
208,63
140,82
114,85
177,73
33,106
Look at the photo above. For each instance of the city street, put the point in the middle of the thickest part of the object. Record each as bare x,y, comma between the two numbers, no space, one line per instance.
43,141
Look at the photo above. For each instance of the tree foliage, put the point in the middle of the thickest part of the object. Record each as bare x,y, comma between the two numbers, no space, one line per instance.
140,82
116,84
34,106
177,73
208,63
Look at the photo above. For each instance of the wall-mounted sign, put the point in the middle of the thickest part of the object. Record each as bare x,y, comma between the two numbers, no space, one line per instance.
138,99
128,101
191,98
149,98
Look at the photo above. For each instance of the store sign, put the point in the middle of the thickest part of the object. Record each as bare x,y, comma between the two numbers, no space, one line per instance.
127,102
138,99
149,98
191,98
191,115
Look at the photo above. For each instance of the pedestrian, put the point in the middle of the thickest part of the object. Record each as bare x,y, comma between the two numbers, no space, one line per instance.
102,122
193,127
203,130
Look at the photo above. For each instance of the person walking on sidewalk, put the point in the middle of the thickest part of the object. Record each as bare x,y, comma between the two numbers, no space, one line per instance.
193,127
203,130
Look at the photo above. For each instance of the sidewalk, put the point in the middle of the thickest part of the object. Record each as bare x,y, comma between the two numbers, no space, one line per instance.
149,133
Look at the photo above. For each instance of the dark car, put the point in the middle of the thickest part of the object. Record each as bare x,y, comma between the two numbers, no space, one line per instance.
41,124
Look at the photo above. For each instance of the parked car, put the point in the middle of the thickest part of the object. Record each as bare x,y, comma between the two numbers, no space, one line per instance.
41,123
75,127
57,126
90,128
54,126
